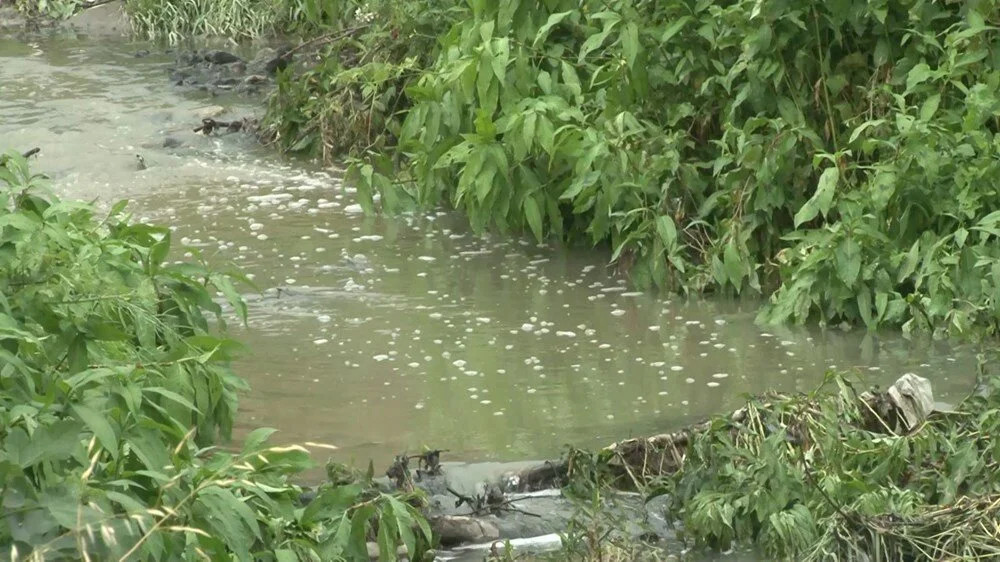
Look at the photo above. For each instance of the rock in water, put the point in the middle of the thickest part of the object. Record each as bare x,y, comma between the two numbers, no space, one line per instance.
458,529
209,111
268,60
221,57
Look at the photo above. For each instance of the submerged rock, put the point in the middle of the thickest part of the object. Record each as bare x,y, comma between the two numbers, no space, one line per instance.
268,61
221,57
172,142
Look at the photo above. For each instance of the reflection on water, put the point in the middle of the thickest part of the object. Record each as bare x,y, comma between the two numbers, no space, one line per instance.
382,335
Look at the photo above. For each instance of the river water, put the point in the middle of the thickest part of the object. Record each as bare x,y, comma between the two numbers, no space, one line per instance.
383,335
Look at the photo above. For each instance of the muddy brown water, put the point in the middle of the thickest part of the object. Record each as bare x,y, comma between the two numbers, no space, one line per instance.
383,335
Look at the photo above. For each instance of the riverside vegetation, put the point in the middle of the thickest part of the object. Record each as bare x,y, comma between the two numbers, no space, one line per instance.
115,387
838,159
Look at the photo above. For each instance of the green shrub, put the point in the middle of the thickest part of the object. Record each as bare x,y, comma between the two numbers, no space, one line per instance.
115,386
822,477
838,157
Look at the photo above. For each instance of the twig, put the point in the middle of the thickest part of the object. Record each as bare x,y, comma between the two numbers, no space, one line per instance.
329,37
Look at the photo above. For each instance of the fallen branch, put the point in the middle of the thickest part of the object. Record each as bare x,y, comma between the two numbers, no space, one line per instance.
208,126
327,38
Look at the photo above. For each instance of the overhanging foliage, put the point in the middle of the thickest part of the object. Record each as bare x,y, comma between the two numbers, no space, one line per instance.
836,156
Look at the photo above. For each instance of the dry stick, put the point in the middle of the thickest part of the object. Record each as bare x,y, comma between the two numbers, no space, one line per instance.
329,37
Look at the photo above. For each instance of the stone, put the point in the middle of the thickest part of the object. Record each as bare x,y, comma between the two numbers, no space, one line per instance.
221,57
268,61
460,529
209,112
172,142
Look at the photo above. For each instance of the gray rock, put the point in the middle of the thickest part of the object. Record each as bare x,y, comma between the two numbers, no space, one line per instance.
268,61
221,57
209,112
458,529
172,142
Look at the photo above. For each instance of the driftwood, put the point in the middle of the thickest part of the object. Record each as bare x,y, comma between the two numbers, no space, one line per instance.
208,126
550,474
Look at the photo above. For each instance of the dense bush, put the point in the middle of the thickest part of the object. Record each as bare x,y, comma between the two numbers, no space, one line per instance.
824,477
836,156
115,385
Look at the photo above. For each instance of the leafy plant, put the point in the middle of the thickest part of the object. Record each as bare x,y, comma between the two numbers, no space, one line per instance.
115,386
822,477
835,157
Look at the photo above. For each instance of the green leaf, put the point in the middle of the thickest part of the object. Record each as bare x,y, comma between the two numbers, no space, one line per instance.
545,135
881,303
930,107
233,297
674,28
822,199
386,544
909,264
233,521
917,75
571,79
533,214
848,260
51,442
171,395
404,523
97,423
528,130
733,265
667,230
158,253
256,438
596,40
484,181
330,502
630,43
285,555
543,32
865,306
